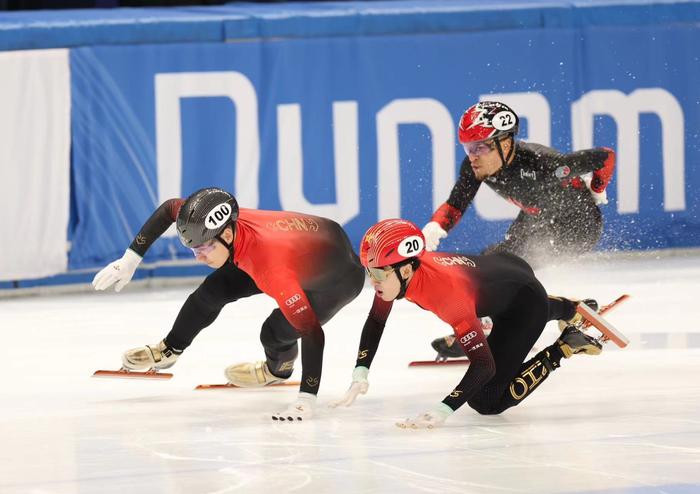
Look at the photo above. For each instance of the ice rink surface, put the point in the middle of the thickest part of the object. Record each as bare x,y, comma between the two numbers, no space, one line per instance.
627,421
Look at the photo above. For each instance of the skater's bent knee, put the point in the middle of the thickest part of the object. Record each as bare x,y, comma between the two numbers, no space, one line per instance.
486,408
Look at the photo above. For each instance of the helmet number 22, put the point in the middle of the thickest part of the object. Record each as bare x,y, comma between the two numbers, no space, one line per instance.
504,120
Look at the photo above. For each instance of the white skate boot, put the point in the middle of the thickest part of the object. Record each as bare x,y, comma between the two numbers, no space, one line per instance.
158,356
251,375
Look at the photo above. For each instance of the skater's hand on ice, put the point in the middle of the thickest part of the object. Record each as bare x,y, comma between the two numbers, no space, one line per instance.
433,233
427,420
302,409
359,386
120,272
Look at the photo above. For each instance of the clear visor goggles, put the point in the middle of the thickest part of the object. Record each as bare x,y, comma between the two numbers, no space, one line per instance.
478,148
379,274
205,248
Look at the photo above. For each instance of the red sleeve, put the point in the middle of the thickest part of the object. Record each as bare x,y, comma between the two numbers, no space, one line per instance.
297,309
447,216
293,303
174,206
482,368
458,308
453,302
603,176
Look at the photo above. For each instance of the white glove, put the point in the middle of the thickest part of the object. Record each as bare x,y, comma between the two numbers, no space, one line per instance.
428,420
302,409
433,233
120,272
359,386
598,197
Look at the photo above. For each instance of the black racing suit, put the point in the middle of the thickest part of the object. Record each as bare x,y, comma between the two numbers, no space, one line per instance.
458,289
558,213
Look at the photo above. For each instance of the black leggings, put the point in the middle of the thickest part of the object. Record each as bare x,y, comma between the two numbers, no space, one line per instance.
539,241
512,337
279,338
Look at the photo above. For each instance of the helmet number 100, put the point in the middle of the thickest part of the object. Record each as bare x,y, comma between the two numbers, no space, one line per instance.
218,216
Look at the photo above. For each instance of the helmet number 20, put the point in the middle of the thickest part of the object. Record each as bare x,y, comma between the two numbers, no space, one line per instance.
411,246
218,216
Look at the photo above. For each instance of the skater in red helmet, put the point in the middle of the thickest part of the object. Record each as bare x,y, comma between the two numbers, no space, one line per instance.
459,289
559,194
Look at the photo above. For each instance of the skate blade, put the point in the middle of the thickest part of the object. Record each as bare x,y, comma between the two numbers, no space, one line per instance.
428,363
609,331
233,386
607,308
127,374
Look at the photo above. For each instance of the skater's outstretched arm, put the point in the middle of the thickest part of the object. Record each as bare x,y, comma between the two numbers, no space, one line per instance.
297,310
450,212
369,342
460,313
120,272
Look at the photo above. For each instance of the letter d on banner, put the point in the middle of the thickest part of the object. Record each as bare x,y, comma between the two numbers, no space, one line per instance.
169,89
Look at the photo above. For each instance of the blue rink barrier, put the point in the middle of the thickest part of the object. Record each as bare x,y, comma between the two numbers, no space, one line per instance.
349,109
72,28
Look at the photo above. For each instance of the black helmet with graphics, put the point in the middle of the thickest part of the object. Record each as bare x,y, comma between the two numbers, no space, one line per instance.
204,215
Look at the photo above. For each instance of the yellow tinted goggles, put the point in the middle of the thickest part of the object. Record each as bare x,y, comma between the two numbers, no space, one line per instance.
378,274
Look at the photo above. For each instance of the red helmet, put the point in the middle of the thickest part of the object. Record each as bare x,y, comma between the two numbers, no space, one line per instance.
391,242
487,120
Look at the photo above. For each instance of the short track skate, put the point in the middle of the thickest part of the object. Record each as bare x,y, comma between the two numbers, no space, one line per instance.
125,373
607,330
439,362
233,386
591,318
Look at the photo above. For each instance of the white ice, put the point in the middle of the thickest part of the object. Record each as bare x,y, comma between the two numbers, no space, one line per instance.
627,421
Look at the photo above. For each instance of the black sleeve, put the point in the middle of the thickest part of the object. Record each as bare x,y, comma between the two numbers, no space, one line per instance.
312,360
585,161
482,368
156,225
372,332
465,189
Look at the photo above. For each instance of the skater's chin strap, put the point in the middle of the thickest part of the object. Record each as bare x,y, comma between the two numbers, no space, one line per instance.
414,262
228,246
511,151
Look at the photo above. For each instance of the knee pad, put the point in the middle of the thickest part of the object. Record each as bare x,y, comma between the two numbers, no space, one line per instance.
484,408
270,337
266,336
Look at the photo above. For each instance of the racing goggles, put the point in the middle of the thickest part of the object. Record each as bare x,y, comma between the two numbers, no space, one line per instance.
478,148
378,274
204,249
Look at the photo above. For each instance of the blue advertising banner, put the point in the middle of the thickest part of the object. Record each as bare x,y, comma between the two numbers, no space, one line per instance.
363,128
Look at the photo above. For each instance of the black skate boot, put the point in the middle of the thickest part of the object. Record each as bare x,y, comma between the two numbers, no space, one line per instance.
577,320
447,348
573,341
